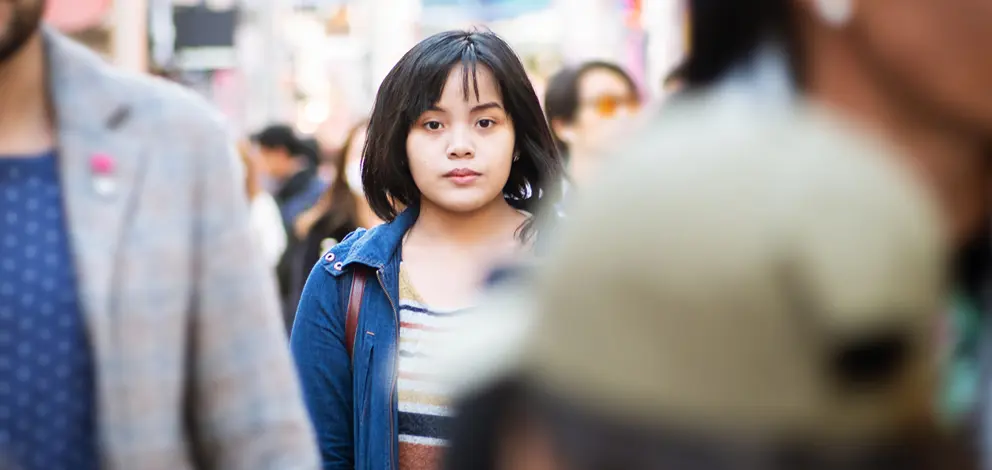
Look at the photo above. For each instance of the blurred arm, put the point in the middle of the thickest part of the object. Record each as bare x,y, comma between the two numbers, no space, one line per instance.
244,398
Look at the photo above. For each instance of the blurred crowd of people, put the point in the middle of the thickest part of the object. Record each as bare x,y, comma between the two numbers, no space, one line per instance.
783,265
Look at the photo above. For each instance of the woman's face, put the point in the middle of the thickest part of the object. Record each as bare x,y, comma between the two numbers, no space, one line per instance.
460,151
606,104
934,53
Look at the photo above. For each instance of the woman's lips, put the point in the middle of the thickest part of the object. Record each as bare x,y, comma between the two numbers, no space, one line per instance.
462,176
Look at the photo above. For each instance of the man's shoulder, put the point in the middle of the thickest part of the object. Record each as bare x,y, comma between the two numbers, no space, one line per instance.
155,99
152,102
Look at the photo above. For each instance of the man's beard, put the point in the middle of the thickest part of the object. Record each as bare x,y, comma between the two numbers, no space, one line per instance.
24,21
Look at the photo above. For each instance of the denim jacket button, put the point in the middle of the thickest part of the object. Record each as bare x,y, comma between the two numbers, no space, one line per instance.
338,266
329,257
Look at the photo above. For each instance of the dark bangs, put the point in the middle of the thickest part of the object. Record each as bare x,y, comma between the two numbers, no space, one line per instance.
415,85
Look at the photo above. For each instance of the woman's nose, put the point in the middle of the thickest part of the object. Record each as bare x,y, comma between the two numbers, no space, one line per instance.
460,145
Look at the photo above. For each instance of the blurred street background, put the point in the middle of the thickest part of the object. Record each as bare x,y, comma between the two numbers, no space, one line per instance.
317,63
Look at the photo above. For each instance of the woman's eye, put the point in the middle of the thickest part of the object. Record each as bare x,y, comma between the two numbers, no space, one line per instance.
432,125
486,123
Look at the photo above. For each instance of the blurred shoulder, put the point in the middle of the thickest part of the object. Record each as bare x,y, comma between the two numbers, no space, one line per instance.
162,104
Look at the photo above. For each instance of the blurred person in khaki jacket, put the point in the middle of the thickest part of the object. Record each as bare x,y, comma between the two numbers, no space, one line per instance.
915,74
769,308
139,328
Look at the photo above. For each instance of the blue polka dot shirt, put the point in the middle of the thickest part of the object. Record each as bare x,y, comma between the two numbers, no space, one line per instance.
47,402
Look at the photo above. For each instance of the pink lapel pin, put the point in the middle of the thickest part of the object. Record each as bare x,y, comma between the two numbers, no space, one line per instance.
102,168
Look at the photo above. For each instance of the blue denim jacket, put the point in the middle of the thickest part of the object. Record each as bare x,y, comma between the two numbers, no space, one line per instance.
353,402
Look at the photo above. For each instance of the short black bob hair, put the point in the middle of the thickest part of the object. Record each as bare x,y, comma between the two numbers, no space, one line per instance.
724,34
415,84
561,99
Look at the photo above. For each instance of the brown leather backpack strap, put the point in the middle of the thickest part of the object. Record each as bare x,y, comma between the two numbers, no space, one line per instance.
354,310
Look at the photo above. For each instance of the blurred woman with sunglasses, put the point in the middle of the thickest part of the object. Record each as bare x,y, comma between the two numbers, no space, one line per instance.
587,106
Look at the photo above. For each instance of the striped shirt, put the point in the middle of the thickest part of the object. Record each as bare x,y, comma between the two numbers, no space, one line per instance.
424,412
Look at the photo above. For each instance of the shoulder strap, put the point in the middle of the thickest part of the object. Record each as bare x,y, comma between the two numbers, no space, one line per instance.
354,309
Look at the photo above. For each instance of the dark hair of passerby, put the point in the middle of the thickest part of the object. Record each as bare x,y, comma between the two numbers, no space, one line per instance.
414,86
280,137
563,96
494,422
726,34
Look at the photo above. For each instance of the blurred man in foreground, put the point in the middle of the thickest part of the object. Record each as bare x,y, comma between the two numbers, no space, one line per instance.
137,329
770,307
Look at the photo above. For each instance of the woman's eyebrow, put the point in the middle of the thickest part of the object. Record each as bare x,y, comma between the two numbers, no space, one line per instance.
475,109
486,106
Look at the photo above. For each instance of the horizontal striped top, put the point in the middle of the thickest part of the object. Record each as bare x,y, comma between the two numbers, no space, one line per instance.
424,412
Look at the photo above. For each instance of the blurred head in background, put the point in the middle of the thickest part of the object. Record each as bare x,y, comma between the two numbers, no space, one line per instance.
915,72
785,323
587,107
282,153
19,21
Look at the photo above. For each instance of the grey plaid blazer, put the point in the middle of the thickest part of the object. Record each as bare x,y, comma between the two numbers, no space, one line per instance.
193,368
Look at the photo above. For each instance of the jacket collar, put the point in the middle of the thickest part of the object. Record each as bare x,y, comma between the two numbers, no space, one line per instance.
378,246
765,80
93,116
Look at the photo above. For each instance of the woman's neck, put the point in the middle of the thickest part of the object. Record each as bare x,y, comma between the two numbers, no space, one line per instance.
496,222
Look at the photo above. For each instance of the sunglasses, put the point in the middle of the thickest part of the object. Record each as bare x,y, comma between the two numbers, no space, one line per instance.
607,106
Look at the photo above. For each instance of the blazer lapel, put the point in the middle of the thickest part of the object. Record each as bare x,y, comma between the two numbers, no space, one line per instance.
92,119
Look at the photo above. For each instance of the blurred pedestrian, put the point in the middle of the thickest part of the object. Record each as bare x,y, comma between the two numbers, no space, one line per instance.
915,74
296,186
770,307
263,212
458,159
287,162
138,327
589,106
340,211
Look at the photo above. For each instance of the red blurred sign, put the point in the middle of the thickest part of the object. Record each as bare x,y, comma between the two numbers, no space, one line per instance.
76,15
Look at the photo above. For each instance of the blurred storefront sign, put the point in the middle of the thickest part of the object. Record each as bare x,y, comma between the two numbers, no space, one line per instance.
483,10
73,16
204,37
318,4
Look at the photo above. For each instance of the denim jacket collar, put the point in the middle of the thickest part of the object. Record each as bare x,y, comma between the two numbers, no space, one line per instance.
377,246
764,80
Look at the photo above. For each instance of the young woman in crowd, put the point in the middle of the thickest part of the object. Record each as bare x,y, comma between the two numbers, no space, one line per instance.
915,74
458,161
